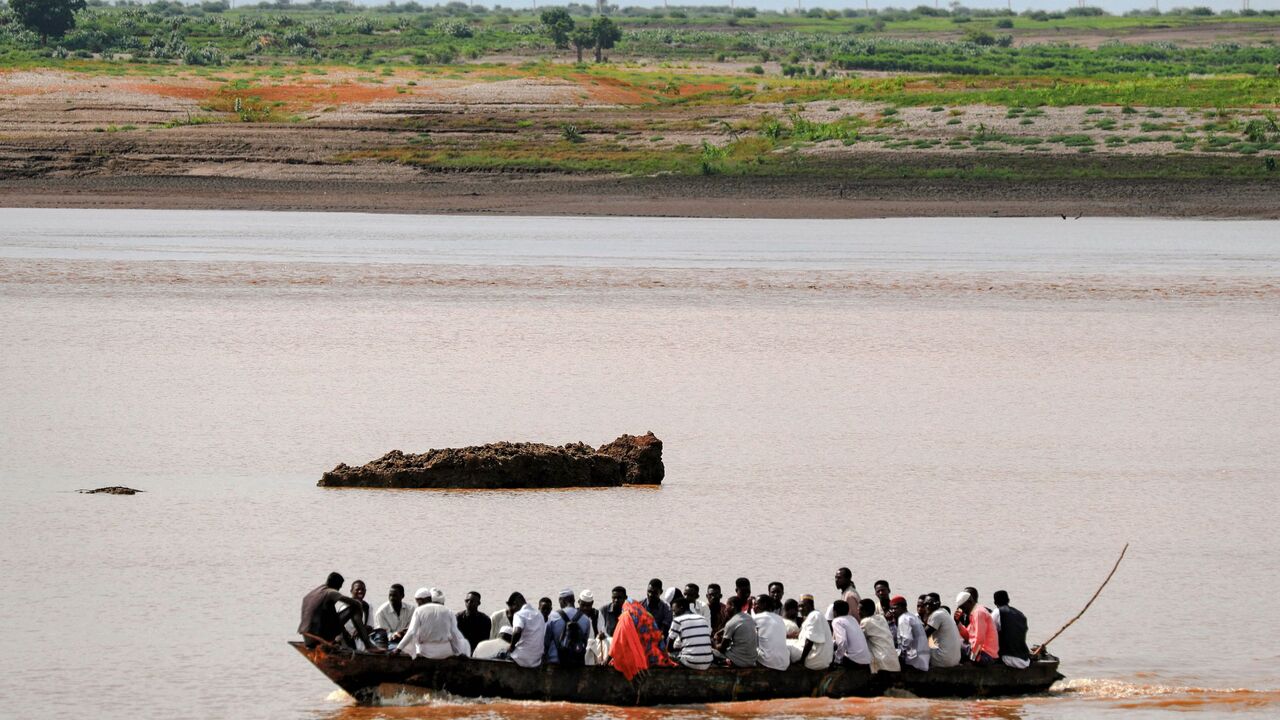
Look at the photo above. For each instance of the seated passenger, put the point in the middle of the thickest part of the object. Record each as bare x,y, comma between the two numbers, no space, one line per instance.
495,649
735,645
1011,631
944,636
689,641
433,630
567,633
813,647
791,618
660,611
498,620
322,619
529,632
884,655
393,615
362,610
849,644
982,645
913,643
771,636
475,625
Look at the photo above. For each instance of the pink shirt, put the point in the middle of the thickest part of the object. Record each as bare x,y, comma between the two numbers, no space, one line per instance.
981,633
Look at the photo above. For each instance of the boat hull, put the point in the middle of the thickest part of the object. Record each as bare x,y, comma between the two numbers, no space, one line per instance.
361,674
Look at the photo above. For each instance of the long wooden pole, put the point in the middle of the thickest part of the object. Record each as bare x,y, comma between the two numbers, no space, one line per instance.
1115,567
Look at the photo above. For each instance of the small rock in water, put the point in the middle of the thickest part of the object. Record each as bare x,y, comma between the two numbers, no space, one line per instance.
112,490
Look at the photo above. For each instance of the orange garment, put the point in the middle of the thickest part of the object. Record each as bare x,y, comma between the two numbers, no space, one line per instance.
637,642
981,633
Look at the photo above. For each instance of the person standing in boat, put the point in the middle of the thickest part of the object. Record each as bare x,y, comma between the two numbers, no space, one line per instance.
981,644
1011,631
741,599
500,619
913,643
884,654
433,630
944,636
587,606
883,595
323,619
776,593
567,633
735,644
475,625
689,641
849,644
608,623
813,647
660,611
392,617
848,593
715,609
529,629
771,636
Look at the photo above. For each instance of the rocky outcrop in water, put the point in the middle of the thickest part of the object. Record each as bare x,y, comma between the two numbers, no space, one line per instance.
112,490
629,460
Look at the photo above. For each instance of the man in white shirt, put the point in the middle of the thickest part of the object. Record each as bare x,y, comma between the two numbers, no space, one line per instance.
944,636
690,636
814,646
913,644
529,632
433,630
495,649
692,593
771,634
884,655
393,615
849,644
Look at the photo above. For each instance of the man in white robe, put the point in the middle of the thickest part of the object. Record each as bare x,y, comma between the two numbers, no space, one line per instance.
814,645
771,643
433,630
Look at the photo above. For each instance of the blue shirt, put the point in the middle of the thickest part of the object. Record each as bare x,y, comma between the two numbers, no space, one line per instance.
556,628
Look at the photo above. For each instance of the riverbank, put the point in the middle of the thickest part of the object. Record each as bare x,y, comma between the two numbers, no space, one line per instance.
664,196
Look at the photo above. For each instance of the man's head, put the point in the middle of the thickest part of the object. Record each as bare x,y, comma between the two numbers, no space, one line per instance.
882,590
922,606
679,605
506,632
973,593
472,601
586,600
844,579
692,592
334,581
965,602
764,603
806,605
618,596
1001,598
839,608
742,590
437,596
422,596
898,606
713,593
515,601
655,590
544,607
565,598
867,607
358,590
775,592
396,593
791,609
932,601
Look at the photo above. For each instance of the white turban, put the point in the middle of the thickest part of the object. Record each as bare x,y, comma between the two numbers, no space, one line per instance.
567,593
422,594
506,630
962,598
437,595
587,597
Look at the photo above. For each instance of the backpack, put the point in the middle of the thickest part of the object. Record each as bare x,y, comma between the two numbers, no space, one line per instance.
571,646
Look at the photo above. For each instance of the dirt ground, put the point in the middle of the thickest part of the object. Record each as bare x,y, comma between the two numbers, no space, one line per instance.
127,141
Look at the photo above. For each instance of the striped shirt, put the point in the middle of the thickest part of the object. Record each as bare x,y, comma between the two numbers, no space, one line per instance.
691,636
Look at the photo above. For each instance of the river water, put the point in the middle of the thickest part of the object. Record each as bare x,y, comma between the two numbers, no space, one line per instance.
992,402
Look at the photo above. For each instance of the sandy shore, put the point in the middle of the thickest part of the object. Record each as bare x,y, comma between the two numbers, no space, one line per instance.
668,196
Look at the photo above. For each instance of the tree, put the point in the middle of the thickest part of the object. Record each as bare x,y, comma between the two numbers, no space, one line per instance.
47,17
604,33
581,38
559,27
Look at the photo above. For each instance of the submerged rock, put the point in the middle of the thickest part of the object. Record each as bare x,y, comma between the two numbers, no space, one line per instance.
112,490
629,460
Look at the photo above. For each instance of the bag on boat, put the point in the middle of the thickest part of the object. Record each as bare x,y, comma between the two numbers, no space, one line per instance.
571,646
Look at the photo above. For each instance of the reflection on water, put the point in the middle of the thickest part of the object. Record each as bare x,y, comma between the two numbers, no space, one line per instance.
938,403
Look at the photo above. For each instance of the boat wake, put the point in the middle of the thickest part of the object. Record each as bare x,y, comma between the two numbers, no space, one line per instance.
1133,695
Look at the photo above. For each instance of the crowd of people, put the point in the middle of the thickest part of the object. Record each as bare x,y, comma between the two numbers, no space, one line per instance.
671,626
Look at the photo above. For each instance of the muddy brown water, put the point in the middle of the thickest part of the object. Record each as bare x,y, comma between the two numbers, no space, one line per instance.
938,402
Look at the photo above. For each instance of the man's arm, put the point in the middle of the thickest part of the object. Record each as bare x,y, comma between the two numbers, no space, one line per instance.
808,645
407,632
515,638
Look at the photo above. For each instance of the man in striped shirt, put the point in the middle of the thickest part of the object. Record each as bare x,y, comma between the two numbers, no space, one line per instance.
690,637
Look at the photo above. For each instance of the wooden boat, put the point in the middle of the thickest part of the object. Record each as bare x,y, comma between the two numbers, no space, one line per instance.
361,674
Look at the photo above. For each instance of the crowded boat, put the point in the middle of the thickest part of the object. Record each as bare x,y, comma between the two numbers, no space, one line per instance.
678,627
